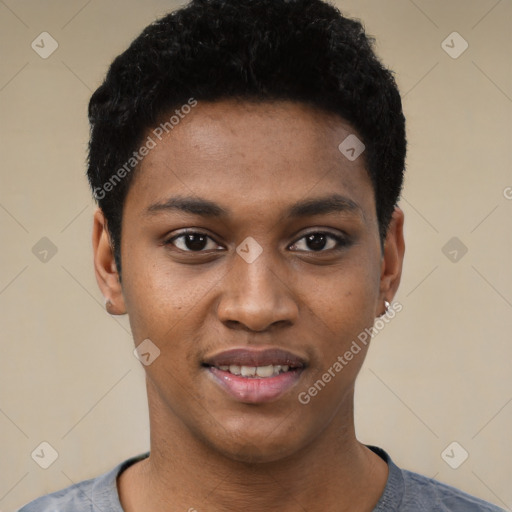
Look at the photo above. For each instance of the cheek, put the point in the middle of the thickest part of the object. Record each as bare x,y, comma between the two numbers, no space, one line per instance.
343,299
342,313
153,301
166,304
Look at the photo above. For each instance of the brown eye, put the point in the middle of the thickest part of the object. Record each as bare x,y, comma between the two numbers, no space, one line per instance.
193,242
319,242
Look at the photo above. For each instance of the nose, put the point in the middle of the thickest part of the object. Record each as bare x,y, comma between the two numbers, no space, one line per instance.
257,296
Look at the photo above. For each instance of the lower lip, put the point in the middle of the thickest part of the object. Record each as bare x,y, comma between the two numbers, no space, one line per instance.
255,390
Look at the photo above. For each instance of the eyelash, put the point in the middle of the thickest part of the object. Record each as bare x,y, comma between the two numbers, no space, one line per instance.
341,241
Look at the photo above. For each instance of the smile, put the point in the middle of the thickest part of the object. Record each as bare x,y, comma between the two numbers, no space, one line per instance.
255,376
261,372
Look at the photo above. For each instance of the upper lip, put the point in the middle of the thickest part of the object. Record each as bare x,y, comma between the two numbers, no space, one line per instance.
255,357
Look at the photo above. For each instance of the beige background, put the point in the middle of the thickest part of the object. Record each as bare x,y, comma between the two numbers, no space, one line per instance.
439,372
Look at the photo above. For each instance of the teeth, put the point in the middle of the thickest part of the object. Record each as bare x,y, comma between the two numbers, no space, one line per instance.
234,369
255,371
265,371
248,371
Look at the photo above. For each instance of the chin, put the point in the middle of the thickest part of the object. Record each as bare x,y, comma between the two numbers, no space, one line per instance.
257,446
251,454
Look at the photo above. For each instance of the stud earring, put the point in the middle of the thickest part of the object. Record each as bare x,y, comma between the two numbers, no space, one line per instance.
109,306
386,308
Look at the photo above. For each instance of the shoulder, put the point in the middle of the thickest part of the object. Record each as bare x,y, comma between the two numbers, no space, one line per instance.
406,491
76,498
95,495
428,494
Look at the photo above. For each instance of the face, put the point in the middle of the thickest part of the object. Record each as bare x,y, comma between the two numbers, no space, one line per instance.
251,259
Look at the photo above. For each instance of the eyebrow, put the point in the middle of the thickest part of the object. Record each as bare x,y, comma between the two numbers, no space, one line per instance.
334,203
194,205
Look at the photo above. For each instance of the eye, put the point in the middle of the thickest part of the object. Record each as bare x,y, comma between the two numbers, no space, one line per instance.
193,242
319,242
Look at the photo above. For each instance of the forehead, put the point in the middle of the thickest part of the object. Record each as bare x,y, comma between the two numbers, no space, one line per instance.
269,152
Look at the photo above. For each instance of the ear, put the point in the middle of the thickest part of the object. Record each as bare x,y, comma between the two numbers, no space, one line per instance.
392,257
105,266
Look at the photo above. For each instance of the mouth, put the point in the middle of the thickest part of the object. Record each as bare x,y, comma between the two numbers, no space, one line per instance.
255,372
255,375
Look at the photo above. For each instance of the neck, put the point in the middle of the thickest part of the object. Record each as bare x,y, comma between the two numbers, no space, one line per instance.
332,472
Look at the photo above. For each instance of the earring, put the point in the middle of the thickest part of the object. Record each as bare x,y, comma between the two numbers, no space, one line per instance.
386,308
109,306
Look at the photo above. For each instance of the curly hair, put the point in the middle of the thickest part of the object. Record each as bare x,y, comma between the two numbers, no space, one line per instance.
256,50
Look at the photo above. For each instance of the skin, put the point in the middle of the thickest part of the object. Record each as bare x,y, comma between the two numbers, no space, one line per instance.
210,452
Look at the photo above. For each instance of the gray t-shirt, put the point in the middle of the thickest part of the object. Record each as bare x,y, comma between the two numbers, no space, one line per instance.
404,492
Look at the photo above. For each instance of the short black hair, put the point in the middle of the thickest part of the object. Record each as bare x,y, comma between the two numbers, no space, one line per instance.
256,50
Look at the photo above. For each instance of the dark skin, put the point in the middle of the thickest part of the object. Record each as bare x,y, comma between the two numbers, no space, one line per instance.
309,296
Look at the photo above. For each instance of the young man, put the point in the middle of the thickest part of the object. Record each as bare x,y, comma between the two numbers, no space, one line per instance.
247,157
